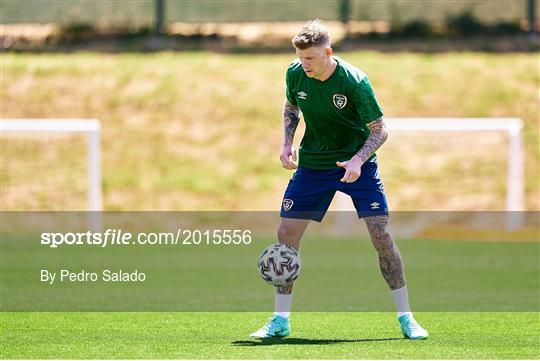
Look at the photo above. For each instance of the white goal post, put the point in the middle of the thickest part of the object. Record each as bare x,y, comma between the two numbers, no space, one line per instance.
89,127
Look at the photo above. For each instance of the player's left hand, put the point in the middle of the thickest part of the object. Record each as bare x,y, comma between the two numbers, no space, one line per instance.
352,167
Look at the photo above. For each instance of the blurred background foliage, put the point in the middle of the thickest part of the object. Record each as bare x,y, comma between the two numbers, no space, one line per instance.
79,20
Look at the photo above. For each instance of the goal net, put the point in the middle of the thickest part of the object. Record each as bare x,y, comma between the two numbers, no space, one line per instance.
50,165
451,164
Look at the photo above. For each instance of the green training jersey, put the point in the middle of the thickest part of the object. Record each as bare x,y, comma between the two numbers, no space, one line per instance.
335,111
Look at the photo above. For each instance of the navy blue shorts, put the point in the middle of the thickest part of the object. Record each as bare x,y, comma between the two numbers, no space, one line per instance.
310,192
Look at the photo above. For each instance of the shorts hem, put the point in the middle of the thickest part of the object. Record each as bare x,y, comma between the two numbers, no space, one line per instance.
304,215
372,214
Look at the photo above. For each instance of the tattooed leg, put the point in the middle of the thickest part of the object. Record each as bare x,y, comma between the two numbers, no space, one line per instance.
389,256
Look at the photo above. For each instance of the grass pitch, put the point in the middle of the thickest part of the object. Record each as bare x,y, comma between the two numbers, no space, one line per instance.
331,335
462,276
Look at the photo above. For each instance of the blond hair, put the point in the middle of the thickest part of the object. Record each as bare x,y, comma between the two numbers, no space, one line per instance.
312,34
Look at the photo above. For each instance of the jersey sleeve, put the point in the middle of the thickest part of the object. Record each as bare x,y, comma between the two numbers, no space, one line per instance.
288,92
365,101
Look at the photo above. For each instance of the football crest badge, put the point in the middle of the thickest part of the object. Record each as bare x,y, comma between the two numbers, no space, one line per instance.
340,100
287,204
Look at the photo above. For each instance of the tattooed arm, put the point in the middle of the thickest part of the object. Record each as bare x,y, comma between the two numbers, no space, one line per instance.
378,135
376,138
291,118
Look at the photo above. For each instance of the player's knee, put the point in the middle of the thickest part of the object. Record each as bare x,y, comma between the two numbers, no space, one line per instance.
379,230
383,241
287,234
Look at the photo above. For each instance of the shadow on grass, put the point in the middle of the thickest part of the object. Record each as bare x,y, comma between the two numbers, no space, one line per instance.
305,341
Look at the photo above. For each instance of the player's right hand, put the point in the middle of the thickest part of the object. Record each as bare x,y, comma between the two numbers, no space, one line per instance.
287,153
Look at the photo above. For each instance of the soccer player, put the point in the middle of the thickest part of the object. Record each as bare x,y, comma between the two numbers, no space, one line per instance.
344,128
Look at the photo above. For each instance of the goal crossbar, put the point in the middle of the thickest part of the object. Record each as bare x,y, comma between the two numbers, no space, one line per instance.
511,125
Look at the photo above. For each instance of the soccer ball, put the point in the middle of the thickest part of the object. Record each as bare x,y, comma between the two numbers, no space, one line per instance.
279,265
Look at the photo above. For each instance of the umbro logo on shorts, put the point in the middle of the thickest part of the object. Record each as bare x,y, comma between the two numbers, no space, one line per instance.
374,205
340,100
287,204
302,95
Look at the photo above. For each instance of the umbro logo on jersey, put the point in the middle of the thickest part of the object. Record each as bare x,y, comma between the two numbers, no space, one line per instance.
374,205
302,95
287,204
340,100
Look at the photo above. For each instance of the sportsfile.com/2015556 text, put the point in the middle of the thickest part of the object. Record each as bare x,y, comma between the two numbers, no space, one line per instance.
118,237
